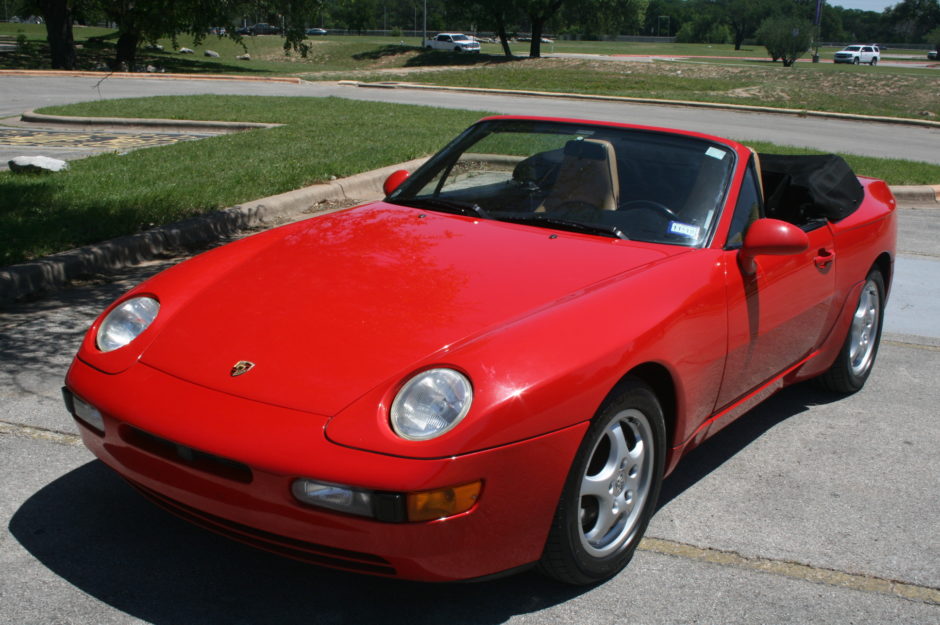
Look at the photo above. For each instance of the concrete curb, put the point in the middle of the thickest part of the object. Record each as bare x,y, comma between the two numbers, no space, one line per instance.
82,74
51,272
184,124
918,194
612,98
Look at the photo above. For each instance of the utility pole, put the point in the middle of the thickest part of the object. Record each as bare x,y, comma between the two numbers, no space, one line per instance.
818,22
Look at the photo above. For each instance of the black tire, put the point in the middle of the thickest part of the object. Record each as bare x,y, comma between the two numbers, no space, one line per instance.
874,61
855,61
857,356
590,542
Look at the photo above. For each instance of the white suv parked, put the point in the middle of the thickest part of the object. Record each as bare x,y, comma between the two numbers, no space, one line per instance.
456,42
859,54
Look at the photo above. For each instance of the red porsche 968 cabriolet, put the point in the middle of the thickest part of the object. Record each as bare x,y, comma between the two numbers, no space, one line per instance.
495,366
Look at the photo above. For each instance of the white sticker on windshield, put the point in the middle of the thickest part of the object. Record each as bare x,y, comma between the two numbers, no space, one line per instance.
684,230
715,153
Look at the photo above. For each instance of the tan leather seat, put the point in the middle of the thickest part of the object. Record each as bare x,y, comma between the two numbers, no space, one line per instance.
587,176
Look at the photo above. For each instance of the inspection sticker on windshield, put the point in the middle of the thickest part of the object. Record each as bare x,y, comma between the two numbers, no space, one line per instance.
715,153
684,230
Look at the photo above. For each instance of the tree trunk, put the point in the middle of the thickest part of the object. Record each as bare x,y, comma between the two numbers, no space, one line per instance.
126,51
501,33
738,39
58,17
535,47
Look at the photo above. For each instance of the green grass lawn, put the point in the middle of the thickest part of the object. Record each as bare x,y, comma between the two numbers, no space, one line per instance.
110,195
896,92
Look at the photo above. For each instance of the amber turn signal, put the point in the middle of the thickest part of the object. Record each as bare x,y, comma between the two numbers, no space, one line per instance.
442,502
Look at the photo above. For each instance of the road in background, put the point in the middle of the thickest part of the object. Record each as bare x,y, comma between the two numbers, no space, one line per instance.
875,139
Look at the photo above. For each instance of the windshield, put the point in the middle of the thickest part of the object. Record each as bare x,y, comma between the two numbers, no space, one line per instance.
852,48
619,182
460,38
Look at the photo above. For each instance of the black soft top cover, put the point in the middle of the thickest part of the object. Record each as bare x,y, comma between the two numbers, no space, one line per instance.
802,188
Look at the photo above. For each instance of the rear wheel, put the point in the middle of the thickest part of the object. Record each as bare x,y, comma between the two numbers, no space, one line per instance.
857,357
611,490
874,61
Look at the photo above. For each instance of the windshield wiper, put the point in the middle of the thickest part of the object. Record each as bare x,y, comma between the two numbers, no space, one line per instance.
449,206
565,224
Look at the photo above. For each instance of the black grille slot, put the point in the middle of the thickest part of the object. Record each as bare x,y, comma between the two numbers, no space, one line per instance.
312,553
181,454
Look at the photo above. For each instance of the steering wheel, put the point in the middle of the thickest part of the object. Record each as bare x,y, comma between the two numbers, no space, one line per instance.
649,205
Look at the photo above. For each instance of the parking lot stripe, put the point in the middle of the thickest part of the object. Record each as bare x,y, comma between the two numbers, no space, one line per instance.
794,570
41,434
897,343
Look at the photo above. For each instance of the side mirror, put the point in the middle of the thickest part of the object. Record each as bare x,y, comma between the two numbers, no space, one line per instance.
394,181
770,237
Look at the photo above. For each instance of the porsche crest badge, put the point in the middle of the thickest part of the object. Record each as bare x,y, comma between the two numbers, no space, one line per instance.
242,367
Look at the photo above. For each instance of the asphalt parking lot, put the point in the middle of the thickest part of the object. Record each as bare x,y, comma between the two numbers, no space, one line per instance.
811,508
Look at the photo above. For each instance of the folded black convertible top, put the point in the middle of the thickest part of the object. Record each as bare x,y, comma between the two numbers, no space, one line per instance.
801,188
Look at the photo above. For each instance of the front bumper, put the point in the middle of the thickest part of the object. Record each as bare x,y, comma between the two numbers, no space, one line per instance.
227,463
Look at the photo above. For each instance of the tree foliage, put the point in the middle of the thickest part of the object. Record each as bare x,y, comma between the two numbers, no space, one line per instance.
786,38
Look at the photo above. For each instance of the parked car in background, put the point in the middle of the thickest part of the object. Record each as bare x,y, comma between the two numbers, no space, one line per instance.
316,31
260,28
455,42
856,54
932,55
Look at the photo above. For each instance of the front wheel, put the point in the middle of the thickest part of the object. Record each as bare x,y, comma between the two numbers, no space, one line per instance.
855,61
611,490
857,356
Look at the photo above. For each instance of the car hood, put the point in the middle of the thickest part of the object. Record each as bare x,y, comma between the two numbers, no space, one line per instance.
332,307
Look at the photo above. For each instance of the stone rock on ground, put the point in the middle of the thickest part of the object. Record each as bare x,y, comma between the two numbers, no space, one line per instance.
212,53
36,164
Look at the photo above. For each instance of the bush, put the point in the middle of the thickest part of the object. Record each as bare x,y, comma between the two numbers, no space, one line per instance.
786,38
22,44
703,29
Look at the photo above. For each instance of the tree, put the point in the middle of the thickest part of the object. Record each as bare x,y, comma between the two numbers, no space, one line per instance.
786,38
358,15
933,38
538,12
744,17
58,17
911,20
139,21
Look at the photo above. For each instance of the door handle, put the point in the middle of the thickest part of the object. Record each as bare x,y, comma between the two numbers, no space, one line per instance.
824,258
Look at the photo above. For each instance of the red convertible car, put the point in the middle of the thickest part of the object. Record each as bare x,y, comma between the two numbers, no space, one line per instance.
495,366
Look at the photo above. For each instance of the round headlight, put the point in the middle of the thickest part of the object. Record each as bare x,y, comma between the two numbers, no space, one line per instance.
126,322
430,404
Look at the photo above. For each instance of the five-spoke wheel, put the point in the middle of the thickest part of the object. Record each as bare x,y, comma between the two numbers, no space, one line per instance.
611,490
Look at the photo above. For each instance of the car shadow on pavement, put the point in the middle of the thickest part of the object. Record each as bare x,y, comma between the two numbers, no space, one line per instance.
723,446
98,534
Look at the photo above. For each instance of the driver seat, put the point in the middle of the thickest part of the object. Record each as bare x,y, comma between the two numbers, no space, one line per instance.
587,175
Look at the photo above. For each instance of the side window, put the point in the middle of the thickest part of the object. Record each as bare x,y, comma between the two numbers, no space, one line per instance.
747,210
